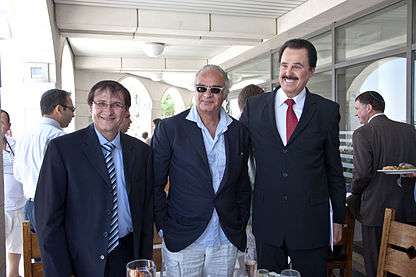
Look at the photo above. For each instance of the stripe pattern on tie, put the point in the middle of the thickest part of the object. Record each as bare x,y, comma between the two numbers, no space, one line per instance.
113,234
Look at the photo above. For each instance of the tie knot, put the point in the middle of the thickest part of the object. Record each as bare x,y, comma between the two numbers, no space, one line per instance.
290,102
109,147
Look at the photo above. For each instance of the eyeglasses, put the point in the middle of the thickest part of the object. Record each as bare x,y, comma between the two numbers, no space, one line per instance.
212,89
114,106
69,107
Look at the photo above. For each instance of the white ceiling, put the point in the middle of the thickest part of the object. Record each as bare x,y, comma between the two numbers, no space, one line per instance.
108,34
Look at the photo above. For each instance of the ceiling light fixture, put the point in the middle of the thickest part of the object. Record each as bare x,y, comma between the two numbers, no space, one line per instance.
153,49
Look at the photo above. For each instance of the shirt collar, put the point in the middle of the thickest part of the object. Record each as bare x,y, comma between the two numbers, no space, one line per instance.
103,140
374,115
50,121
282,97
225,119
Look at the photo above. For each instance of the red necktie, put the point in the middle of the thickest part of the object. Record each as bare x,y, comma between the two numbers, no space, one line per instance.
291,119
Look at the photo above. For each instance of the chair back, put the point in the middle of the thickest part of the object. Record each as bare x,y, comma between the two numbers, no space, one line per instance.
31,253
397,249
343,260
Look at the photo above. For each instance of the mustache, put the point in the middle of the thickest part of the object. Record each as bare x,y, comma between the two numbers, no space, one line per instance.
290,77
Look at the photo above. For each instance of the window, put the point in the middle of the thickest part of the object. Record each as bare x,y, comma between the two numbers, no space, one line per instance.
372,34
323,45
321,83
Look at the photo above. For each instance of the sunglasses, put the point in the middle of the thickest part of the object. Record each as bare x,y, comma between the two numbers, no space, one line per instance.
212,89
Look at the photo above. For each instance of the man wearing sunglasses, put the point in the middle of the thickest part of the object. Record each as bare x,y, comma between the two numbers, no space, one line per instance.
203,152
57,112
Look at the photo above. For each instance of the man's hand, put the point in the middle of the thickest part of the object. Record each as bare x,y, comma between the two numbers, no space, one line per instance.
337,235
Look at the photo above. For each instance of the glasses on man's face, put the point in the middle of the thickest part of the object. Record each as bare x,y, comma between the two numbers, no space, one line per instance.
71,108
103,105
212,89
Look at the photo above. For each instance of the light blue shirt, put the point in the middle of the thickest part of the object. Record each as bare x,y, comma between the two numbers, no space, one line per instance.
125,225
215,149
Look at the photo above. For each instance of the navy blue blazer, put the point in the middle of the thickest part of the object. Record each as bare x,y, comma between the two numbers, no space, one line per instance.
294,183
179,153
73,203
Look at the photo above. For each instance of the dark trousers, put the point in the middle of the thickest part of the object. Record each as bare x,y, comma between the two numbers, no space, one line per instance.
118,258
309,262
30,214
371,246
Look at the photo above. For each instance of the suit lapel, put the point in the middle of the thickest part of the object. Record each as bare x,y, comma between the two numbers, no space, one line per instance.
197,141
309,109
128,162
270,116
94,154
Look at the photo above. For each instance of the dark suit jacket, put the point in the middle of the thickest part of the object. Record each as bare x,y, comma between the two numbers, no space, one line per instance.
294,183
179,153
73,203
379,143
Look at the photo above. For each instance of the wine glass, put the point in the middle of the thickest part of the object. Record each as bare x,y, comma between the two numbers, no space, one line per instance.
141,268
262,273
290,273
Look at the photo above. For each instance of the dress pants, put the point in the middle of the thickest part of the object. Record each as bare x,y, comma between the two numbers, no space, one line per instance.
371,246
309,262
118,258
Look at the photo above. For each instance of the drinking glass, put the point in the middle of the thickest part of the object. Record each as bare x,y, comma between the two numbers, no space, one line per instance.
141,268
262,273
290,272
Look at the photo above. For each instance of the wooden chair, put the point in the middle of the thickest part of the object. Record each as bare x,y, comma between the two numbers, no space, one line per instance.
31,253
397,249
157,250
343,260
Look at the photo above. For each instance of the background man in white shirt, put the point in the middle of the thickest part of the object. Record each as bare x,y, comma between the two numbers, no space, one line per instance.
57,112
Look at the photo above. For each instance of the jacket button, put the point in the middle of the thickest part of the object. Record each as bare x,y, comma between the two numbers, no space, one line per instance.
109,211
105,234
102,257
285,174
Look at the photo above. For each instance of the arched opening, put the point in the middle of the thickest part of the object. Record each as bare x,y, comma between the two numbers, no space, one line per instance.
141,107
171,103
387,77
67,77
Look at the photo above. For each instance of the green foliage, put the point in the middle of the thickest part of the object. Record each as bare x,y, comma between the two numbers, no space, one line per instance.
167,106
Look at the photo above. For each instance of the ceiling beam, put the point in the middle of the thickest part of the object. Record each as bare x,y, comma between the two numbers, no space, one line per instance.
95,19
139,64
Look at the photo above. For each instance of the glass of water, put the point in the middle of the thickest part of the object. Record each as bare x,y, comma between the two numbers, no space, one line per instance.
262,273
290,272
141,268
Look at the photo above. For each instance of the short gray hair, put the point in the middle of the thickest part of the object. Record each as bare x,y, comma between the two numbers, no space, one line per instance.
217,68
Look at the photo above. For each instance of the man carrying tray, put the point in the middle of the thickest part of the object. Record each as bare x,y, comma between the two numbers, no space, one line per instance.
378,143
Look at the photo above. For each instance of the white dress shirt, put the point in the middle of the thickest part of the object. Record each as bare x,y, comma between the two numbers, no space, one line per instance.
30,150
281,109
13,190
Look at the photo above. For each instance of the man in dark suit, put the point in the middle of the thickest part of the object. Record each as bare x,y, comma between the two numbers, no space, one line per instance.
94,201
379,142
294,135
204,153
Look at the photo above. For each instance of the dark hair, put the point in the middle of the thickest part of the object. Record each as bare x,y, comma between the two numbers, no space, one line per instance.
7,114
373,98
246,92
113,87
52,98
299,43
145,135
156,121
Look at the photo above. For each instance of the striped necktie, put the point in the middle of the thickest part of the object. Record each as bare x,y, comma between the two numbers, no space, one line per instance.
113,234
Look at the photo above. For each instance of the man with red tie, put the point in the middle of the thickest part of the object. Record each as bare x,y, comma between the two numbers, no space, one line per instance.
295,139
